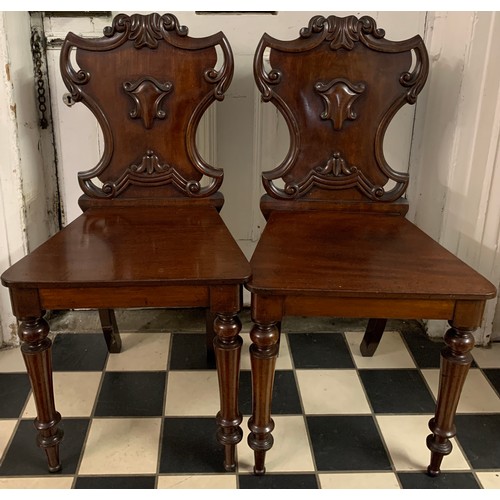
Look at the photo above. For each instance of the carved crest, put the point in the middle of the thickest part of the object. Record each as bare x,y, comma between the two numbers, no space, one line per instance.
342,32
147,94
339,96
147,30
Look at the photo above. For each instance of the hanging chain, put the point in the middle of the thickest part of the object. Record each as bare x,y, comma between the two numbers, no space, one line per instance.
37,49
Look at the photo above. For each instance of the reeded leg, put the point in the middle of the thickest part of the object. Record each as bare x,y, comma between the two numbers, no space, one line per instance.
455,362
210,337
110,330
373,334
263,354
36,349
227,344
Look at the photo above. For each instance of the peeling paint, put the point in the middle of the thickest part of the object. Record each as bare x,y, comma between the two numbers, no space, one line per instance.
13,333
7,71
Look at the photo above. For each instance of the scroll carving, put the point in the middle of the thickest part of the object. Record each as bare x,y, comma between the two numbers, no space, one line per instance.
150,171
147,30
339,96
147,94
148,97
335,174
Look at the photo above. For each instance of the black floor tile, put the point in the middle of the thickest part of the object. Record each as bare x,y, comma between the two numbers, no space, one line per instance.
14,391
285,400
279,481
319,350
189,352
115,482
446,480
189,445
493,375
389,391
25,458
479,436
345,442
426,352
79,352
131,394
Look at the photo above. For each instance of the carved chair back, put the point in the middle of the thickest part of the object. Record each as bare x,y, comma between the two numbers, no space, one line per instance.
148,84
338,86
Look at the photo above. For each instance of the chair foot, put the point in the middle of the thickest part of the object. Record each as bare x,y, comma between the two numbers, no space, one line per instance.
230,458
110,330
373,334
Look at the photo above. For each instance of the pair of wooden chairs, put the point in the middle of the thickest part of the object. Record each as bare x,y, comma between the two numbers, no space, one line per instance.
336,241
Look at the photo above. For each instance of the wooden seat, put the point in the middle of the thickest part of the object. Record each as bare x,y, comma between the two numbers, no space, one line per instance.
150,234
336,240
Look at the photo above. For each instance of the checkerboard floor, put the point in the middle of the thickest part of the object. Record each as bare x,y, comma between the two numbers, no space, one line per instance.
144,418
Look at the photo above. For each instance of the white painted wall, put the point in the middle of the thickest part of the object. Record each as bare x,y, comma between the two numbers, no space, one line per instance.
455,164
25,220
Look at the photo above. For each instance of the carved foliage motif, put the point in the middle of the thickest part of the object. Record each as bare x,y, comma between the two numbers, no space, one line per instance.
147,94
335,174
147,30
342,32
150,171
339,96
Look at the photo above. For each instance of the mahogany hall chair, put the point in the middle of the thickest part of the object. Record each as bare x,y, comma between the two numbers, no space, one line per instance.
336,240
150,234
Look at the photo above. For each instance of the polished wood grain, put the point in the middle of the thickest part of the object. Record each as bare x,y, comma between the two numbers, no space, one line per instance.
150,234
336,240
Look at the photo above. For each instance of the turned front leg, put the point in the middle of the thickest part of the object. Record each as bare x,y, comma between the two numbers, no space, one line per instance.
455,362
263,355
227,345
36,349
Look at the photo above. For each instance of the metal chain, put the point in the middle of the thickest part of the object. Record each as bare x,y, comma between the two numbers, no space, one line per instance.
37,47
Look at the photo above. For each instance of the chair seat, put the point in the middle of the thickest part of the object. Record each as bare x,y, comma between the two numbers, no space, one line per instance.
358,255
124,246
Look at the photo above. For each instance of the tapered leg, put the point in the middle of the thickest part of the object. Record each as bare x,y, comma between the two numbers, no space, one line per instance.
227,344
110,330
373,334
455,362
263,354
37,353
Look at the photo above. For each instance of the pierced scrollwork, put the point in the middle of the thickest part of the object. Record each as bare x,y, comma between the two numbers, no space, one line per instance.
150,171
147,94
339,96
335,174
147,30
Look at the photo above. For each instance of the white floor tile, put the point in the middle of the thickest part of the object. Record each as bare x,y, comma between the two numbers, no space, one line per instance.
391,352
405,437
122,446
332,391
191,393
291,451
489,480
199,481
477,395
74,394
11,360
141,352
46,483
354,480
487,357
